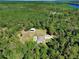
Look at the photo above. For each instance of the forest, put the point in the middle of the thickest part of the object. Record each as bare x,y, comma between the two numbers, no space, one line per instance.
58,19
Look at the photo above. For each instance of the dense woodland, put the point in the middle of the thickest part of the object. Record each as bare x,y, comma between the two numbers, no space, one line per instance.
58,19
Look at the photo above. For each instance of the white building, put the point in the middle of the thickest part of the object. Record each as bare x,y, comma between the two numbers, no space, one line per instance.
41,39
33,29
48,37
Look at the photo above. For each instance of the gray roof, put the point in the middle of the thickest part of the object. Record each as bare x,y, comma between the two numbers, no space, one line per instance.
40,39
